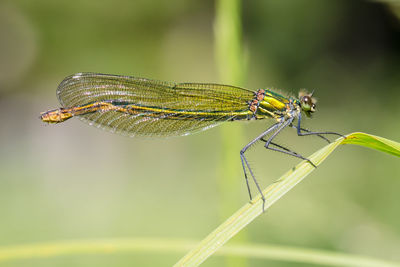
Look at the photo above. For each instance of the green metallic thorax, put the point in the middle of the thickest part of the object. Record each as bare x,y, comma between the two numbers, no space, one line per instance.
273,105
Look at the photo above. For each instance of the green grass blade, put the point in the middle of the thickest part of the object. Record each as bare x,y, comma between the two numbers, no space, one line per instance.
152,245
275,191
375,142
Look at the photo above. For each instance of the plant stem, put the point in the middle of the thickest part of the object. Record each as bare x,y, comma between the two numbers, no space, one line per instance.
229,58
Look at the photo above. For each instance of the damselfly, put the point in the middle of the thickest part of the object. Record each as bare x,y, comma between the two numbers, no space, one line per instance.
145,107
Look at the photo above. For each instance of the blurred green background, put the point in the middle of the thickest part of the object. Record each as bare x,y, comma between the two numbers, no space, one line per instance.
72,181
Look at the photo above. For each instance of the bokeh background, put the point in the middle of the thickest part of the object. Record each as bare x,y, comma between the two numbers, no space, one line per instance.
72,181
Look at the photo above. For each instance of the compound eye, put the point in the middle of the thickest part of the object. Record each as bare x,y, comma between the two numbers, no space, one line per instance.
313,107
307,100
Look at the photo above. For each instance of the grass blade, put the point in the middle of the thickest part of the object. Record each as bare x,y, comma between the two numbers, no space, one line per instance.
151,245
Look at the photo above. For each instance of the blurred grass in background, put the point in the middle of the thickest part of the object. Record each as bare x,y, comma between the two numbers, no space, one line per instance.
72,181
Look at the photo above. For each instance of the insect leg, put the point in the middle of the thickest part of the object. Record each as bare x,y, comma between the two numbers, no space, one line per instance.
283,149
286,151
307,132
246,164
280,146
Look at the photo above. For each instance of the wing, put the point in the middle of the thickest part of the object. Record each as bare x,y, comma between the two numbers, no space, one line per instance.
167,108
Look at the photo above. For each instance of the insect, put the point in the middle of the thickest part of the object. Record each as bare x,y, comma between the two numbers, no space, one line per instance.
145,107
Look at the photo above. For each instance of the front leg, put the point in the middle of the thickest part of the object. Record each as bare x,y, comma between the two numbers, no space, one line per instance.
308,132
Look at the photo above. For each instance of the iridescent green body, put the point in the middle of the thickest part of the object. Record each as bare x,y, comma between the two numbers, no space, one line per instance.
139,106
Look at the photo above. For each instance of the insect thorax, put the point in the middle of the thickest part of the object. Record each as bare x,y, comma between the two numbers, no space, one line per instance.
268,104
